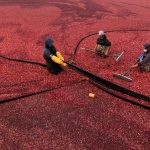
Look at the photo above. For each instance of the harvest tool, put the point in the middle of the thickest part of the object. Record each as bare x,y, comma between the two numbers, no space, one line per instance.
124,75
117,57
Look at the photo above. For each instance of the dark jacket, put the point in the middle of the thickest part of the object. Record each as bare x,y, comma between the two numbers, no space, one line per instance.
146,56
102,40
145,60
50,50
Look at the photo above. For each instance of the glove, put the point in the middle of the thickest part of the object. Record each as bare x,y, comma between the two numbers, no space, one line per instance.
56,59
59,56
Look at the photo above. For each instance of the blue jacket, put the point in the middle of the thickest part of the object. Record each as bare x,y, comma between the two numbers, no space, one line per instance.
144,59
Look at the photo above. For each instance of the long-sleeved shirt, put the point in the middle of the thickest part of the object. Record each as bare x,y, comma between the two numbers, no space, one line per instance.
146,59
49,50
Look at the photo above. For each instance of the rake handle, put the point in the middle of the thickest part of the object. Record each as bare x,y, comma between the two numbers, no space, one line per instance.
127,71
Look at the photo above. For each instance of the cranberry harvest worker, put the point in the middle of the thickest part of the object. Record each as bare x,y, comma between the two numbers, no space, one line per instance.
103,44
53,58
144,59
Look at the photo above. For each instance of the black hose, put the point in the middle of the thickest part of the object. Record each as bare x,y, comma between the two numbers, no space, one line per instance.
23,61
109,84
93,77
99,80
35,93
108,31
120,97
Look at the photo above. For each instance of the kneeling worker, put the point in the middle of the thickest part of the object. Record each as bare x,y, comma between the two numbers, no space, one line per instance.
144,60
53,58
103,44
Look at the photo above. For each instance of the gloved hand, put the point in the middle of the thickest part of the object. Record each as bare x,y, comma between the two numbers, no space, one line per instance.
56,59
59,56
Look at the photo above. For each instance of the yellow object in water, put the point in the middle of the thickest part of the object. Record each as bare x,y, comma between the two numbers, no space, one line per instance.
92,95
56,59
59,56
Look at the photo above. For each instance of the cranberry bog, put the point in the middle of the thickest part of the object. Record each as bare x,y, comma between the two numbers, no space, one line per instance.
65,117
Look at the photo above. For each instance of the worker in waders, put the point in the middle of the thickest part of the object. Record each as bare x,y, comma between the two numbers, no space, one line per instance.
144,59
53,58
103,44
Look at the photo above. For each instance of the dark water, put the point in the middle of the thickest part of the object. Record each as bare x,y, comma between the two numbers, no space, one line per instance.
68,7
